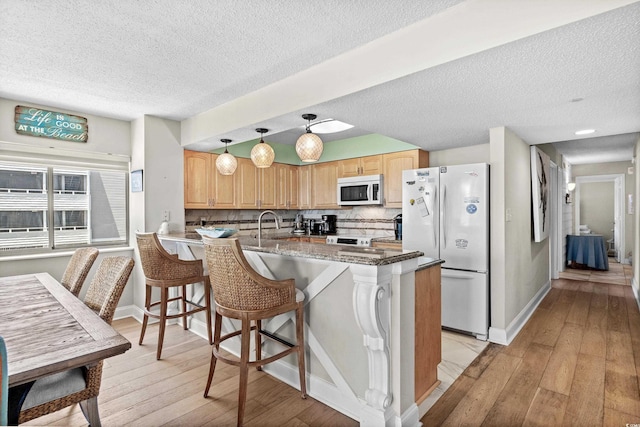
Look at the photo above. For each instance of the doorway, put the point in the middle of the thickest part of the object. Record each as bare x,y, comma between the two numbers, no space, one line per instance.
615,243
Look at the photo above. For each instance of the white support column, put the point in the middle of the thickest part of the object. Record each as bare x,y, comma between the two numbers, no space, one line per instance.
372,308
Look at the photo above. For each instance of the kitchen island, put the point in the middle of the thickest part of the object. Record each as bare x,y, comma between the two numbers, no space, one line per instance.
364,323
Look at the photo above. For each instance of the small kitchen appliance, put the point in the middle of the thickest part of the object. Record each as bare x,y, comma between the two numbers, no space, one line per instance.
397,226
298,225
329,224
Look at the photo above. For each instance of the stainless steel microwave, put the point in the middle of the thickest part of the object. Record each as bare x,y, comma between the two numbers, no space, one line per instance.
360,190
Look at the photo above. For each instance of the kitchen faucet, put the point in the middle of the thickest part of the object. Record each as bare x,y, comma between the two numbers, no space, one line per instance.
260,224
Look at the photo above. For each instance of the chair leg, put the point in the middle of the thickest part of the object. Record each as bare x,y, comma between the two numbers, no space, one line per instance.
184,306
207,296
89,408
258,338
145,318
164,301
244,368
216,343
300,344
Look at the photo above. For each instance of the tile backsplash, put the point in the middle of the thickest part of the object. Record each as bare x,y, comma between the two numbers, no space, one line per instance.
359,220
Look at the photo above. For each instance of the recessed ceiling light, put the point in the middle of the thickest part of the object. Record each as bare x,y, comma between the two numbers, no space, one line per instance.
329,126
585,131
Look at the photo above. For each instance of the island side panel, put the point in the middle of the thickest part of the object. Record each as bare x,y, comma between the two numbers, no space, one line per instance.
428,331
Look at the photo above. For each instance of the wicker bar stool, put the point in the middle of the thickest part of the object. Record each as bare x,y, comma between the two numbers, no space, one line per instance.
78,268
164,271
242,293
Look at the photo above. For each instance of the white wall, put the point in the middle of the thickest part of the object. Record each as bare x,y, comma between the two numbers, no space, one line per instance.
105,136
630,185
156,150
460,156
519,266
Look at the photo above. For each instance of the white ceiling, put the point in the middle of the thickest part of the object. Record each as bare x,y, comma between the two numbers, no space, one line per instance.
183,59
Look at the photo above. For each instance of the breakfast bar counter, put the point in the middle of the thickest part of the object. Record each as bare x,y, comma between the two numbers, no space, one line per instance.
364,323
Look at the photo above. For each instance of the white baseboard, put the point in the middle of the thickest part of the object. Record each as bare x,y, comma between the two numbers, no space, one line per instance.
505,336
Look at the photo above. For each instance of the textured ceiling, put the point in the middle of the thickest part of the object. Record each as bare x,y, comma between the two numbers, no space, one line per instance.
177,59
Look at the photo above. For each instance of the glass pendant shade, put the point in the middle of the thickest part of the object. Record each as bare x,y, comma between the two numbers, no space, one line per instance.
309,147
226,163
262,154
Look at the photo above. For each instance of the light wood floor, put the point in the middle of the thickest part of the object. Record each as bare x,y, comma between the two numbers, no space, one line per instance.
576,362
139,391
619,274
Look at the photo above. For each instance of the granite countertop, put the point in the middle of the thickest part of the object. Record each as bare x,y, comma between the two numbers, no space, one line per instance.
339,253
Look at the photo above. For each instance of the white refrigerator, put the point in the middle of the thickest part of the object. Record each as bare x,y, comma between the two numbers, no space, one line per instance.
445,214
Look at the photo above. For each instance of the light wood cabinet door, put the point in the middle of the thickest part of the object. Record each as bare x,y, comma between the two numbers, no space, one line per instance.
224,192
268,185
371,165
428,335
197,180
393,165
293,182
304,187
324,182
247,184
349,168
287,177
368,165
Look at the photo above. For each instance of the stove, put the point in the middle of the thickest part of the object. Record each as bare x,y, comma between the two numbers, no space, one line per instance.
349,240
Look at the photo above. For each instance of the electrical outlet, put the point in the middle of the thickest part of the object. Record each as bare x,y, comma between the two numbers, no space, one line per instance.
165,215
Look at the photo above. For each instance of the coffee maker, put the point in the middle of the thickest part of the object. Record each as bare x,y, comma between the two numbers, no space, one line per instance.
397,226
329,224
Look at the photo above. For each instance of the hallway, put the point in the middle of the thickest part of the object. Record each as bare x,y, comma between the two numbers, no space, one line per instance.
576,362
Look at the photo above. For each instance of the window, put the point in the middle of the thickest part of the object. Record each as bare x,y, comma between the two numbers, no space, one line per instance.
50,207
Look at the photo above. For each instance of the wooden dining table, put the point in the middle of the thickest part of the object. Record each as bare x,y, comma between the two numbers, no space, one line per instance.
48,330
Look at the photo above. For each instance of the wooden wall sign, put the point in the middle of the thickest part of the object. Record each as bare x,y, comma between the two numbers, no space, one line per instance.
50,124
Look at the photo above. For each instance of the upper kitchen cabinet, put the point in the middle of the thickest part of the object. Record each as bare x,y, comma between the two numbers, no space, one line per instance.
393,165
256,187
304,187
369,165
197,180
204,186
247,180
288,194
324,184
267,187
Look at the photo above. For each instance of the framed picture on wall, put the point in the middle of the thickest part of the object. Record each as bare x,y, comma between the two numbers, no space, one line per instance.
540,197
136,181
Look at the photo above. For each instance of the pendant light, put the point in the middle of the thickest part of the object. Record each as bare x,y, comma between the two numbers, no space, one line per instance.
226,163
262,154
309,145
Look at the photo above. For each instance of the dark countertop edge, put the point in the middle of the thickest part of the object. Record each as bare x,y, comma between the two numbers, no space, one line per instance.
287,248
386,239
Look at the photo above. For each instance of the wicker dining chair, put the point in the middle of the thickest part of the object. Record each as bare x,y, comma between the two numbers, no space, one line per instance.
165,271
81,385
78,268
242,293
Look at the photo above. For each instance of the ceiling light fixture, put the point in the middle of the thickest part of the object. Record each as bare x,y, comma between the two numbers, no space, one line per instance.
309,145
226,163
585,131
329,126
262,154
